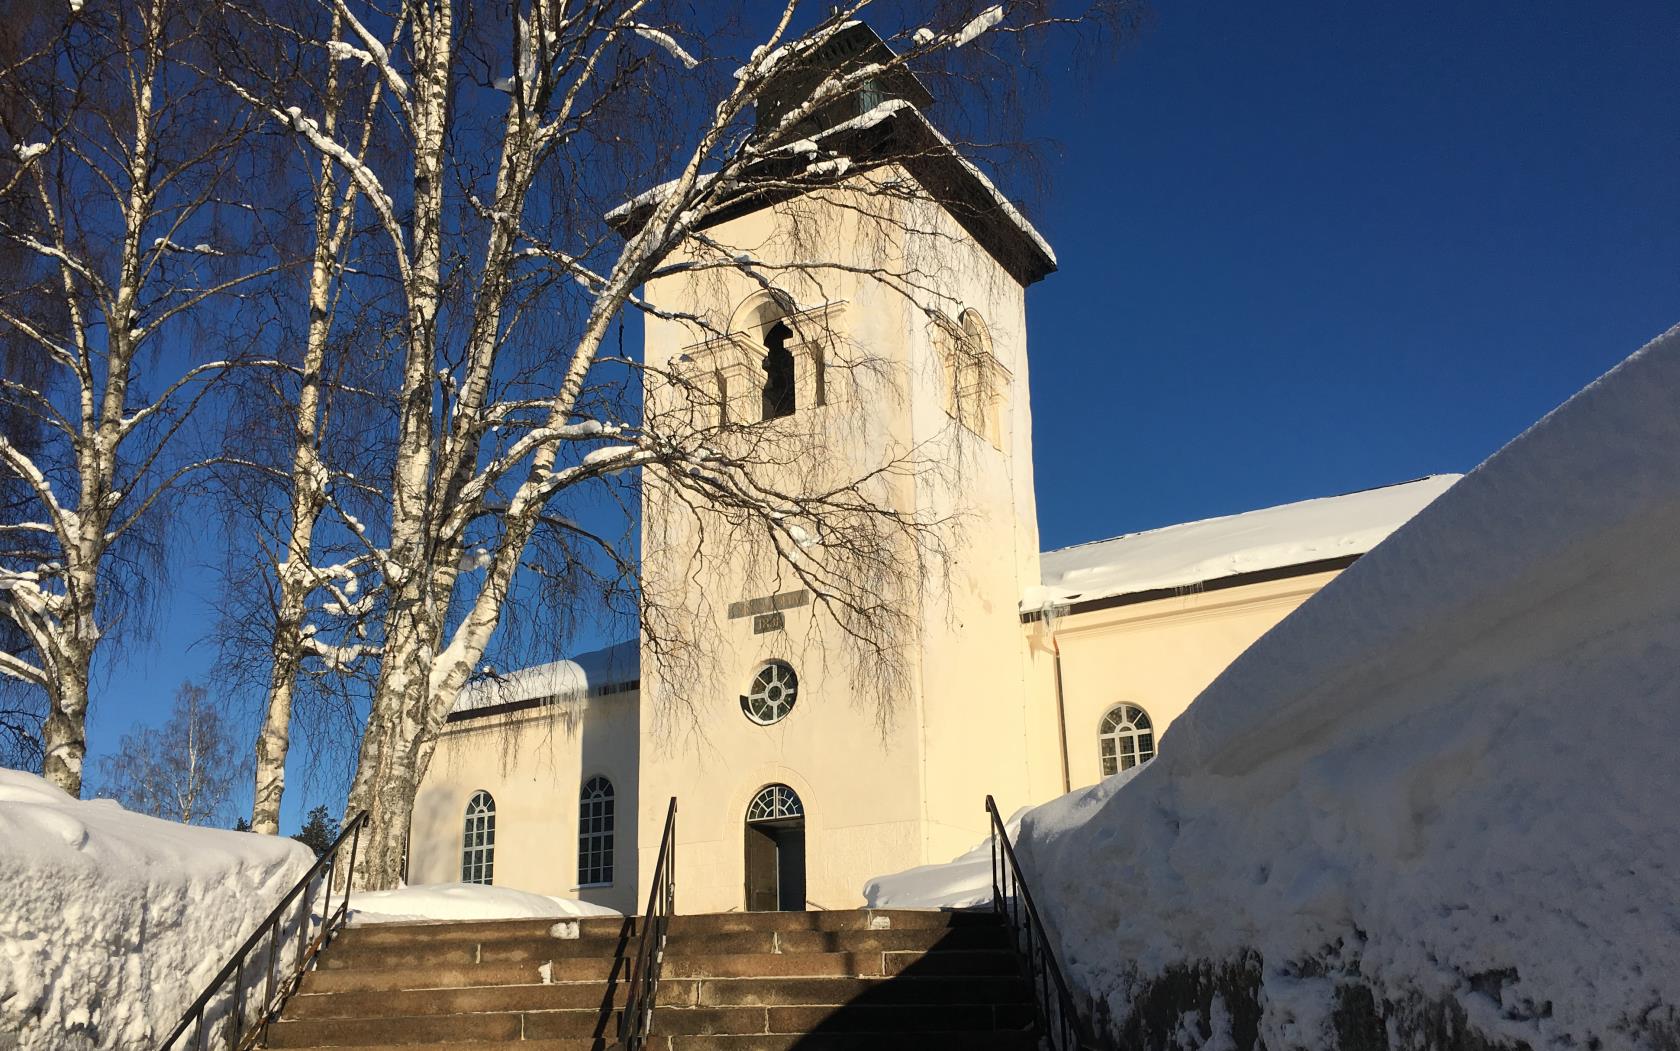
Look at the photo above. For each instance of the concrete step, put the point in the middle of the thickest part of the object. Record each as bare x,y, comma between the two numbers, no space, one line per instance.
673,993
1009,1041
851,981
487,1027
454,951
980,962
579,1044
612,927
693,1021
596,969
844,1018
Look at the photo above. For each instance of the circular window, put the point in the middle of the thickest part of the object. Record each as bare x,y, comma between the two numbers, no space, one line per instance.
772,693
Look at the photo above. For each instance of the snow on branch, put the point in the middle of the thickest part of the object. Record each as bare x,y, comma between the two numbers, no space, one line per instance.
374,51
16,667
666,41
981,22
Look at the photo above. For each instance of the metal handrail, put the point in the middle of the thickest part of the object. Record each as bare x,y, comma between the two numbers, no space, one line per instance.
279,982
1059,1022
637,1019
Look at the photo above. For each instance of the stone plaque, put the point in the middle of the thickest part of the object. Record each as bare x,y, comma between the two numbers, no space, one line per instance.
768,622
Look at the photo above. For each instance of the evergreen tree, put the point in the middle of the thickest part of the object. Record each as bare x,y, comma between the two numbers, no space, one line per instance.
318,831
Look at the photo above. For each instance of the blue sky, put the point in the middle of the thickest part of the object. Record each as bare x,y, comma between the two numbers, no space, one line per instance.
1306,248
1314,247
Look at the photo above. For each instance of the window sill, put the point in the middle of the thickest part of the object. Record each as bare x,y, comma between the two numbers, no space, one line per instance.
592,886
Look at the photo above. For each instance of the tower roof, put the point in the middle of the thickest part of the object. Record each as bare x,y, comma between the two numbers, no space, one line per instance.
880,124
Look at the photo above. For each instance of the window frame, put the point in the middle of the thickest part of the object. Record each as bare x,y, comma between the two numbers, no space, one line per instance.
790,695
478,840
596,853
777,809
1134,729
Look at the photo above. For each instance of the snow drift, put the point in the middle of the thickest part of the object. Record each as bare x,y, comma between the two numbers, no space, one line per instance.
111,923
1436,807
464,901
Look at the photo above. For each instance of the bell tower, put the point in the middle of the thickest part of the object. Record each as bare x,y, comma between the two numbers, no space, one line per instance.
864,340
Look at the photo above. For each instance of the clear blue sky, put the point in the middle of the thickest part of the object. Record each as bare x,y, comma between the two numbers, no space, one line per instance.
1314,247
1306,248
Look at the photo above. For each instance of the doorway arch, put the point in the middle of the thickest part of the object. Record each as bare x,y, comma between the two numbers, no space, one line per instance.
774,832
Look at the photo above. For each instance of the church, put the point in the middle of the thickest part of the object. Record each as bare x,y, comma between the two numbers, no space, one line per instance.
802,767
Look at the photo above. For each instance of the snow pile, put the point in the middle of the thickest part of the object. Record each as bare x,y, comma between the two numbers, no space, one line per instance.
965,881
463,901
1197,552
1440,795
112,923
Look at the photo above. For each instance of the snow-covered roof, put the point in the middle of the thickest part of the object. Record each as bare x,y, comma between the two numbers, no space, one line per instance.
611,669
892,132
1271,538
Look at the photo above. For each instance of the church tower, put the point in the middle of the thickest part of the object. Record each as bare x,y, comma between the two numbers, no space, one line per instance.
875,351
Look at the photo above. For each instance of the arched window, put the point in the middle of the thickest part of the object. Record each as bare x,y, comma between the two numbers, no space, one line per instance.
595,832
779,396
771,695
1126,739
974,379
478,841
775,802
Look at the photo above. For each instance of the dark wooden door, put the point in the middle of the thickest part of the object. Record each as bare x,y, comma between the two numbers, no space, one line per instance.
790,867
761,869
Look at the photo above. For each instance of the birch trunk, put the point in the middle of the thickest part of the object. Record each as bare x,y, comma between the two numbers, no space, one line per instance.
296,576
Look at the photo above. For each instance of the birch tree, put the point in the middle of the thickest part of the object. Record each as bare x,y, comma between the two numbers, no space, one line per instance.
504,136
121,160
297,581
183,771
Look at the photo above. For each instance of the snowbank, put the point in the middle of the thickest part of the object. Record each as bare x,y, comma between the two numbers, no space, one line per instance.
463,901
1439,797
111,923
965,882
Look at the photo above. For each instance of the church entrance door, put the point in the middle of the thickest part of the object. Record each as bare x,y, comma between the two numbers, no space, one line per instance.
775,844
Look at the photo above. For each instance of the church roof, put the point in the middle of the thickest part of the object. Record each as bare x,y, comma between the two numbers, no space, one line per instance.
1326,533
893,132
611,669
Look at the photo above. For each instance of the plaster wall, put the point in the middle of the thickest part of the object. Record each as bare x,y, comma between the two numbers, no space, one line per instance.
849,747
534,764
985,728
1160,654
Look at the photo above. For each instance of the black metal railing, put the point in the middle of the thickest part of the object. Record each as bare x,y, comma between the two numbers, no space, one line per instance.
231,1013
637,1019
1059,1023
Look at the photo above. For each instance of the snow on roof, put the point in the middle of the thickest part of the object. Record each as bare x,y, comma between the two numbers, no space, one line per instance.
1197,552
611,669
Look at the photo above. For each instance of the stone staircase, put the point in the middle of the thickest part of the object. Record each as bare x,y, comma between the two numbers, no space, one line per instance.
766,981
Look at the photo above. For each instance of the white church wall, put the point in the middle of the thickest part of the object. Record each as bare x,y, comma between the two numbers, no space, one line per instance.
853,760
985,726
1160,654
534,764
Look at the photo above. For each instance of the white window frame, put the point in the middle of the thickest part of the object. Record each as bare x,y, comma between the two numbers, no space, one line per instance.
1125,738
774,803
478,840
597,809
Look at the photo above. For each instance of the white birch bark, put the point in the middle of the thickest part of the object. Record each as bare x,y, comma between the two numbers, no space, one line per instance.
115,305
